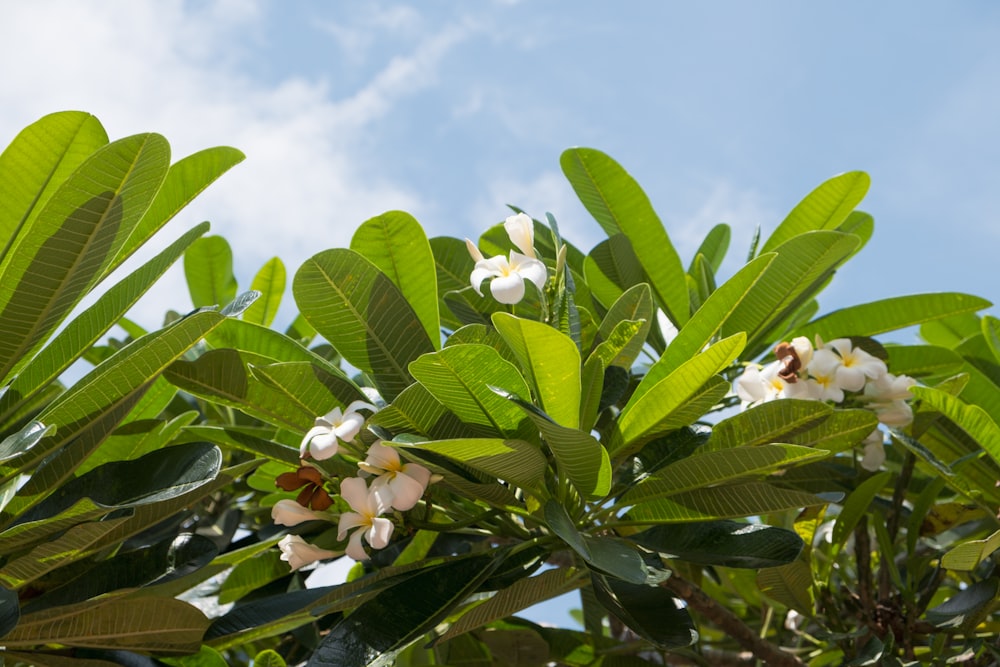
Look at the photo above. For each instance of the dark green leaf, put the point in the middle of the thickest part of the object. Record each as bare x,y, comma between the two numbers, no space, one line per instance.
10,613
725,543
650,611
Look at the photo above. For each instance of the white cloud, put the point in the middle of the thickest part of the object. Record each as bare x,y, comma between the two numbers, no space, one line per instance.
173,68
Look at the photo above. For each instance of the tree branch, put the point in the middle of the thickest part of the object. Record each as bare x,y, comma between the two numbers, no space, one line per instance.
700,602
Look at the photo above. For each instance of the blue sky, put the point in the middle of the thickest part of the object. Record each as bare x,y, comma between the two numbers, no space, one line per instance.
723,111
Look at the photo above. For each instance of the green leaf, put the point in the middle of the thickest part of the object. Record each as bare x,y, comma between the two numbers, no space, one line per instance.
877,317
460,377
991,335
454,269
396,244
416,411
252,574
515,461
725,543
520,595
803,265
185,179
270,282
951,331
826,207
724,502
790,585
650,611
578,454
856,505
968,555
617,202
87,328
715,245
611,268
767,422
268,658
152,624
972,419
36,163
625,327
73,240
923,360
707,320
968,607
373,634
208,267
649,410
356,307
23,440
550,362
718,467
10,613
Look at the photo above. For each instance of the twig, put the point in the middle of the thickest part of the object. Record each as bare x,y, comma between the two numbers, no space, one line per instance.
725,620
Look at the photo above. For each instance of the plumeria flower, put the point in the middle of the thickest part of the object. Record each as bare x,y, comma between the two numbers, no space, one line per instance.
849,366
794,357
401,483
822,386
336,426
521,230
758,385
289,513
889,387
896,413
299,553
508,276
874,451
367,504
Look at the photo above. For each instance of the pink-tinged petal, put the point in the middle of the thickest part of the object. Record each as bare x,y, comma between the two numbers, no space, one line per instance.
474,251
406,491
289,513
349,521
355,491
355,549
521,230
418,472
507,289
379,533
350,426
382,457
529,269
323,446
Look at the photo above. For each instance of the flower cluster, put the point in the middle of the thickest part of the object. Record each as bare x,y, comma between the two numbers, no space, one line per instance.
837,371
508,274
394,486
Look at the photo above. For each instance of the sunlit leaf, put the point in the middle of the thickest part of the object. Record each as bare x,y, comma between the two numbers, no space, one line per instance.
790,584
723,502
515,461
208,267
270,282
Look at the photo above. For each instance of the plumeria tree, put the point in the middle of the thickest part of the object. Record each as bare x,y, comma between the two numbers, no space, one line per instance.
715,472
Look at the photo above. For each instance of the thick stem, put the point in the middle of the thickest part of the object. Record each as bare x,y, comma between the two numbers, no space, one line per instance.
701,603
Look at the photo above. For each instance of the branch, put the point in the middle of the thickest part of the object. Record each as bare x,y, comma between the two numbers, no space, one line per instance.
725,620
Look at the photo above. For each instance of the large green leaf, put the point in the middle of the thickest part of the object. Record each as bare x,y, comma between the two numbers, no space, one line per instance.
617,202
650,611
37,162
725,543
856,505
719,467
611,268
723,502
826,207
648,413
378,629
715,245
85,329
356,307
803,264
515,461
790,585
972,419
550,362
185,179
270,282
395,243
153,624
877,317
208,267
635,305
415,411
923,360
460,377
73,240
968,555
773,421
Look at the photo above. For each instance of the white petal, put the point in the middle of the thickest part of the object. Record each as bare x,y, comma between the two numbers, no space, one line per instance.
355,491
406,491
508,289
350,426
323,446
382,457
380,532
418,472
310,434
474,251
521,230
355,549
349,521
289,513
529,269
354,406
477,278
874,455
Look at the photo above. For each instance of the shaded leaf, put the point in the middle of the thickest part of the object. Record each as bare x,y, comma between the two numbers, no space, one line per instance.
725,543
650,611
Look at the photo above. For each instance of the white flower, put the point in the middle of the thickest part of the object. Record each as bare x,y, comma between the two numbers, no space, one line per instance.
896,413
804,349
477,256
336,426
289,513
521,230
401,483
889,387
874,451
757,385
299,553
367,504
507,284
848,366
